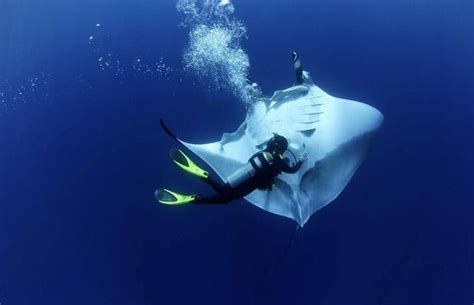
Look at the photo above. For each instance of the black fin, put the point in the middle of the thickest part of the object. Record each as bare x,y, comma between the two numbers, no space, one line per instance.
168,131
298,67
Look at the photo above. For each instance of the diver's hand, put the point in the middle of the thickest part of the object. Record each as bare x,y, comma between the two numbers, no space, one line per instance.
303,157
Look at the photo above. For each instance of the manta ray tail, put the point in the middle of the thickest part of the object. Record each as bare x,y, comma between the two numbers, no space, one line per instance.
298,68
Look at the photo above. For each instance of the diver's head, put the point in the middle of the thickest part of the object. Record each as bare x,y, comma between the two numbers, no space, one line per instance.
277,144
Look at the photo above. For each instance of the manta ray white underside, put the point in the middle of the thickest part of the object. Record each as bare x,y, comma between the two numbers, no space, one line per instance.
335,133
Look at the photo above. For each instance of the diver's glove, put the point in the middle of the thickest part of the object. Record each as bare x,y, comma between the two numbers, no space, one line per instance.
303,157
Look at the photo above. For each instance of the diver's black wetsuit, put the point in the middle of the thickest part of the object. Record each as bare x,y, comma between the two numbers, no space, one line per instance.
266,167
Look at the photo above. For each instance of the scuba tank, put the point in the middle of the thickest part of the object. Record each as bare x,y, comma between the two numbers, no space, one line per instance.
250,169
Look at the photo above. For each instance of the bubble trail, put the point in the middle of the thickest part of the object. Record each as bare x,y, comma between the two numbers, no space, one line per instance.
214,51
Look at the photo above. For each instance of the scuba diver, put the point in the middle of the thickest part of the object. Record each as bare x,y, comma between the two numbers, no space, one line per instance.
259,173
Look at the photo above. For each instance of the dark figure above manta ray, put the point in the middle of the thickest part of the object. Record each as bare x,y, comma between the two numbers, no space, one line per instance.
330,135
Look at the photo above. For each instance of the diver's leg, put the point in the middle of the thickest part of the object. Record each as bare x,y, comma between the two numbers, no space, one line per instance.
214,199
185,163
168,197
225,194
216,186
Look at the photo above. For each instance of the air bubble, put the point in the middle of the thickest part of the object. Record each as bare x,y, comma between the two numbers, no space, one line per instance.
214,51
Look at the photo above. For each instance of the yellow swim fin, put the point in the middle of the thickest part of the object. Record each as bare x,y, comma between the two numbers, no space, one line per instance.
168,197
186,164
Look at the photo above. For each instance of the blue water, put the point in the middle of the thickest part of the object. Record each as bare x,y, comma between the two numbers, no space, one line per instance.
81,153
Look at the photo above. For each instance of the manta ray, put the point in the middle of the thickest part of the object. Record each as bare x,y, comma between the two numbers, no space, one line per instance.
334,133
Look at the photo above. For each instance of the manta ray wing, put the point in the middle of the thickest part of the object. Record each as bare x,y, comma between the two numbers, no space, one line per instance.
335,133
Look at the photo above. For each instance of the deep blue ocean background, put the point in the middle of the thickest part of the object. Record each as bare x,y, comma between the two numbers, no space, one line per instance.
81,153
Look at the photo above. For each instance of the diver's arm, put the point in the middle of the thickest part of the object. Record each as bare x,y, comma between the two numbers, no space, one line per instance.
291,169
